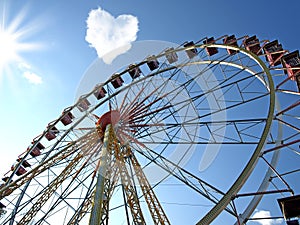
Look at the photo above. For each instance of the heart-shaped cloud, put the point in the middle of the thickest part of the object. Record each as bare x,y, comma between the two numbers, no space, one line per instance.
106,33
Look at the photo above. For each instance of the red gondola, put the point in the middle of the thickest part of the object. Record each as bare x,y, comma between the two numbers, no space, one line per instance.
290,207
67,118
117,81
152,63
191,52
21,170
51,134
291,63
210,50
274,52
83,105
252,44
36,151
171,55
231,40
25,163
100,92
134,71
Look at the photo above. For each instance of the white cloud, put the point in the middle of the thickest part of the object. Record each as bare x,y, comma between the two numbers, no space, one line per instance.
32,77
106,33
266,214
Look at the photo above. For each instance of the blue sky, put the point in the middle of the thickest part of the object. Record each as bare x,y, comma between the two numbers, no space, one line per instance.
53,53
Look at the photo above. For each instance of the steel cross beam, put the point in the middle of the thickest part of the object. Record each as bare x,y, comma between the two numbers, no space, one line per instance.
130,191
86,205
70,149
112,175
84,208
157,212
50,190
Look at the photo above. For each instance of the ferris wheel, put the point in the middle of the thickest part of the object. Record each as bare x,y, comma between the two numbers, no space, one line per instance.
197,133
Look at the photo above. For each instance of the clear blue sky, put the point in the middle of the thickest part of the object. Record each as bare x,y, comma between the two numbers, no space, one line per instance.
54,55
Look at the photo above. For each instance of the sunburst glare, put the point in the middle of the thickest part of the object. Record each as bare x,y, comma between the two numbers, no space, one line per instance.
14,40
9,47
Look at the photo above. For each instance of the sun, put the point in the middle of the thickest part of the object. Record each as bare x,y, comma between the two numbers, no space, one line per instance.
9,47
14,40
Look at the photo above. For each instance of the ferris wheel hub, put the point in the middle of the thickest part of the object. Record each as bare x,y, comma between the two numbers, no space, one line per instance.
111,117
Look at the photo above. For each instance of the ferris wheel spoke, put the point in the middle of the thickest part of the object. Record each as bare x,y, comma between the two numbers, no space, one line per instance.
156,211
124,108
183,104
32,175
195,183
85,205
39,169
50,190
67,151
73,185
241,132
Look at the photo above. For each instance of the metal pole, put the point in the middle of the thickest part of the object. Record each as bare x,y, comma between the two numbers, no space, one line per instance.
96,215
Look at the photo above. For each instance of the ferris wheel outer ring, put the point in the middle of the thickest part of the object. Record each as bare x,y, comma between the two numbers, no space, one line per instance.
229,195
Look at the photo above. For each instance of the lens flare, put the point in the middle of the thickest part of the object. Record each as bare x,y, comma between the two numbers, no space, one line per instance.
9,47
14,39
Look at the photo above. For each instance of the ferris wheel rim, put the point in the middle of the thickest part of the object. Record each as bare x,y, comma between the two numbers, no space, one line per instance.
213,213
